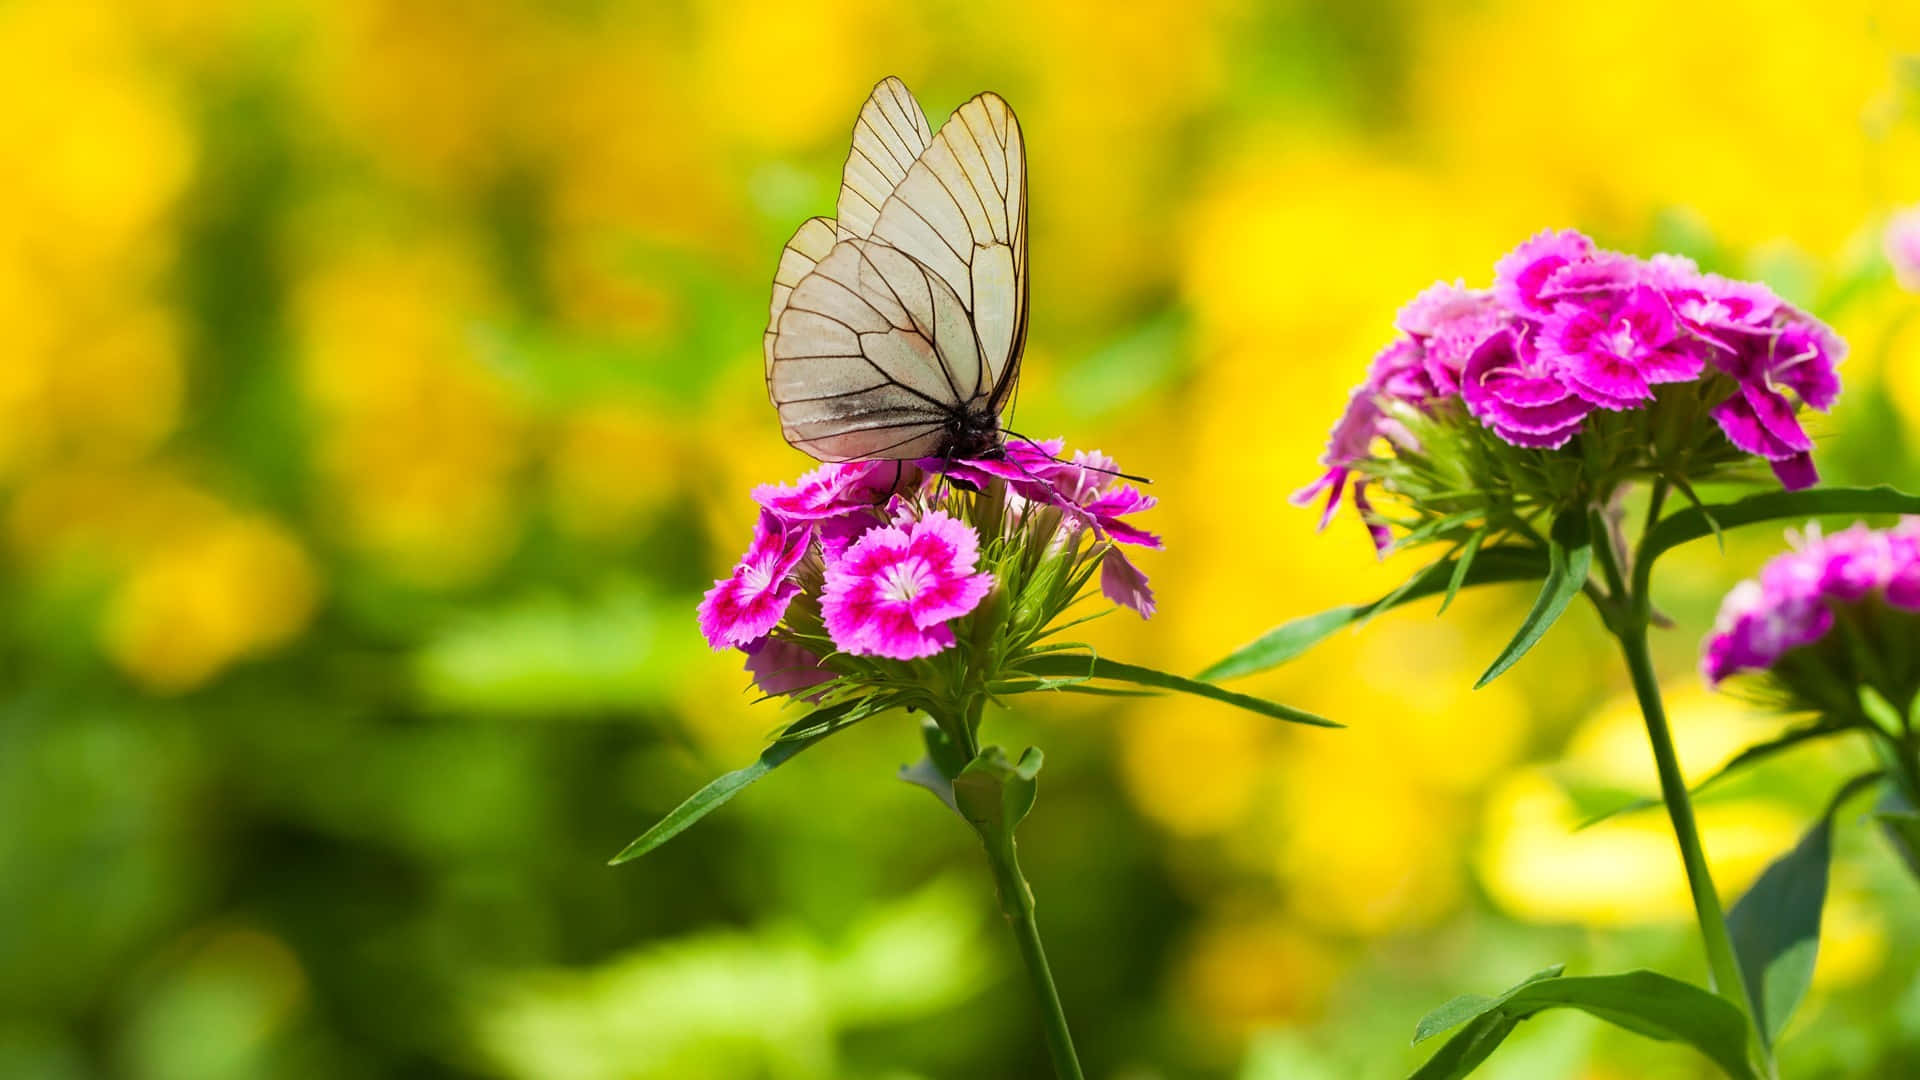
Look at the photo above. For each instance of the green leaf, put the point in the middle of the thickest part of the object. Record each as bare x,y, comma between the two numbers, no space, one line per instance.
1902,824
818,724
1464,1052
936,770
1063,665
1643,1002
1569,556
1776,928
1467,1006
1698,521
1461,566
1752,754
1288,640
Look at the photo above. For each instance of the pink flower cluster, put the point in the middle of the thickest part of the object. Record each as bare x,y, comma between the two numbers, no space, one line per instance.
888,569
1568,330
1792,603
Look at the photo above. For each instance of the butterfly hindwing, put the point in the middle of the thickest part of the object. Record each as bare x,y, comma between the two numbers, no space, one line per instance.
854,373
811,242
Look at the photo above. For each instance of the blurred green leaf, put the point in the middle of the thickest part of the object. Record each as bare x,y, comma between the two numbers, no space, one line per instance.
1776,928
1062,664
1643,1002
1569,556
1464,1052
1750,756
1901,820
1290,639
1467,1006
714,795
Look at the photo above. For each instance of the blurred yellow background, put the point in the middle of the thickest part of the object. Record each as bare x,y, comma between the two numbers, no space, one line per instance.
381,388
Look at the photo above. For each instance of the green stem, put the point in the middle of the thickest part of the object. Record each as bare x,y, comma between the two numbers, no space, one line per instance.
1721,960
1016,903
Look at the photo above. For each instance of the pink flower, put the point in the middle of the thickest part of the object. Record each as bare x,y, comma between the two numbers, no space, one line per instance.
1521,277
1568,329
1448,322
1086,492
1515,391
1400,372
832,491
781,667
1124,584
894,589
745,607
1902,243
1613,352
1794,600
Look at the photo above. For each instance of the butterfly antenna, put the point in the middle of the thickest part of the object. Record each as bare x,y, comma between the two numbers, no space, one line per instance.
1115,473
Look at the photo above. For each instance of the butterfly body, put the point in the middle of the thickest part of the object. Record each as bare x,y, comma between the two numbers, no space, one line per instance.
896,328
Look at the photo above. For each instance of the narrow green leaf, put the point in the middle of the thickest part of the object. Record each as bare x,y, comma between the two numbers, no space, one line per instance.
1060,665
1467,1006
1776,928
1288,640
1461,566
1569,556
1463,1053
1751,755
819,723
1698,521
1643,1002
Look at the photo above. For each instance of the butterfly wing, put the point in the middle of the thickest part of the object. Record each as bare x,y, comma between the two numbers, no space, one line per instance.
916,313
888,138
857,366
960,211
811,242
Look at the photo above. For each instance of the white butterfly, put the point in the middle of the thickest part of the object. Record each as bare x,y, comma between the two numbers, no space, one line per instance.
896,332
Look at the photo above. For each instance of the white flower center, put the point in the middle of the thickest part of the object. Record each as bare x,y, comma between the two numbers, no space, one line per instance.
905,581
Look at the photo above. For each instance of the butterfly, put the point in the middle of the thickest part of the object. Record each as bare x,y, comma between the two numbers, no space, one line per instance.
896,327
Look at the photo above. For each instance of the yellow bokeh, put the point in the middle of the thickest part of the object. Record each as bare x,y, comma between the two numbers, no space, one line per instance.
330,325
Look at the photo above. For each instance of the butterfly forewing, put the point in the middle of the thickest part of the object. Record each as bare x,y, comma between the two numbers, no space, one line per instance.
888,138
901,325
960,211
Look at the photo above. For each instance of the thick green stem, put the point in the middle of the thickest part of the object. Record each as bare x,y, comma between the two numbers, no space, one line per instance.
1016,903
1721,960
